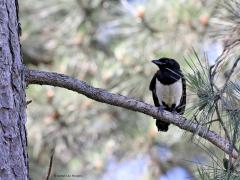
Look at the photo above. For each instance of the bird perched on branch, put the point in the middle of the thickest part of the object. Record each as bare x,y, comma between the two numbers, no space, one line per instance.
168,88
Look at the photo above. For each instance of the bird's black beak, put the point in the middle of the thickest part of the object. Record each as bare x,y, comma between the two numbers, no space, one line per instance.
158,63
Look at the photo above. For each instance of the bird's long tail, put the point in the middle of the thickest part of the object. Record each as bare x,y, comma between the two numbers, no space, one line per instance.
162,126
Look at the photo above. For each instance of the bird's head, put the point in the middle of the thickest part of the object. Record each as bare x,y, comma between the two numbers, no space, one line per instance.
167,63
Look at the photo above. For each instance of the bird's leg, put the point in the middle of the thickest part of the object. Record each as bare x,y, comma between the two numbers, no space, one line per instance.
173,109
161,109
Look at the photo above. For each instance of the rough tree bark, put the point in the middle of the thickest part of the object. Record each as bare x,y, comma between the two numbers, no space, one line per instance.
13,140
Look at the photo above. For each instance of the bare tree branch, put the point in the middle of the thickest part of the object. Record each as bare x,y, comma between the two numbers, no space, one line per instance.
101,95
50,164
230,74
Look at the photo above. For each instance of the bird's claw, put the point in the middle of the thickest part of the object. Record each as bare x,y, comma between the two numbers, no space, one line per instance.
161,109
174,112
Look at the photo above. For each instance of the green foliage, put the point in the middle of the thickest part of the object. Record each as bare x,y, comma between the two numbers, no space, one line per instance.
198,81
216,107
213,173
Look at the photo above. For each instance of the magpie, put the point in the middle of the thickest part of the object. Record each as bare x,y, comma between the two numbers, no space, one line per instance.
168,87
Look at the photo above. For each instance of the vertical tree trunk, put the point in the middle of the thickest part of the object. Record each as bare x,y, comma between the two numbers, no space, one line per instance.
13,140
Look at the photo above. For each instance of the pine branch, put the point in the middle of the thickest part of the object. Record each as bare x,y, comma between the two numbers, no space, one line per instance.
101,95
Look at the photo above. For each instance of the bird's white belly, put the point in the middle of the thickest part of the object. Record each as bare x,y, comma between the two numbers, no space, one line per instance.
169,94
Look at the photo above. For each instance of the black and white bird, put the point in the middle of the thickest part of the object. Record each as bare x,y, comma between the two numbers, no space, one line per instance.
168,88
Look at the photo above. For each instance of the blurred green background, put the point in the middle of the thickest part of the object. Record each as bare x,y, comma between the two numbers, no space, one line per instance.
109,44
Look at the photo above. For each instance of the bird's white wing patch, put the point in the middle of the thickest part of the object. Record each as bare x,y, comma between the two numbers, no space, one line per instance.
170,94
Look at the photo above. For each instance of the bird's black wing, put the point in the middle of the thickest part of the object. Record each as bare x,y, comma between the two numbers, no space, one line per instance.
181,107
162,126
152,87
153,82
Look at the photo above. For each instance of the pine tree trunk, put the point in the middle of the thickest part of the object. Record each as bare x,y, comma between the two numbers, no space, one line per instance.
13,140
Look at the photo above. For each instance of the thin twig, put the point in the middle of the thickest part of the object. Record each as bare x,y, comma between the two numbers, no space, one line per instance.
223,55
50,164
101,95
219,61
221,122
211,78
148,26
230,74
210,122
220,95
